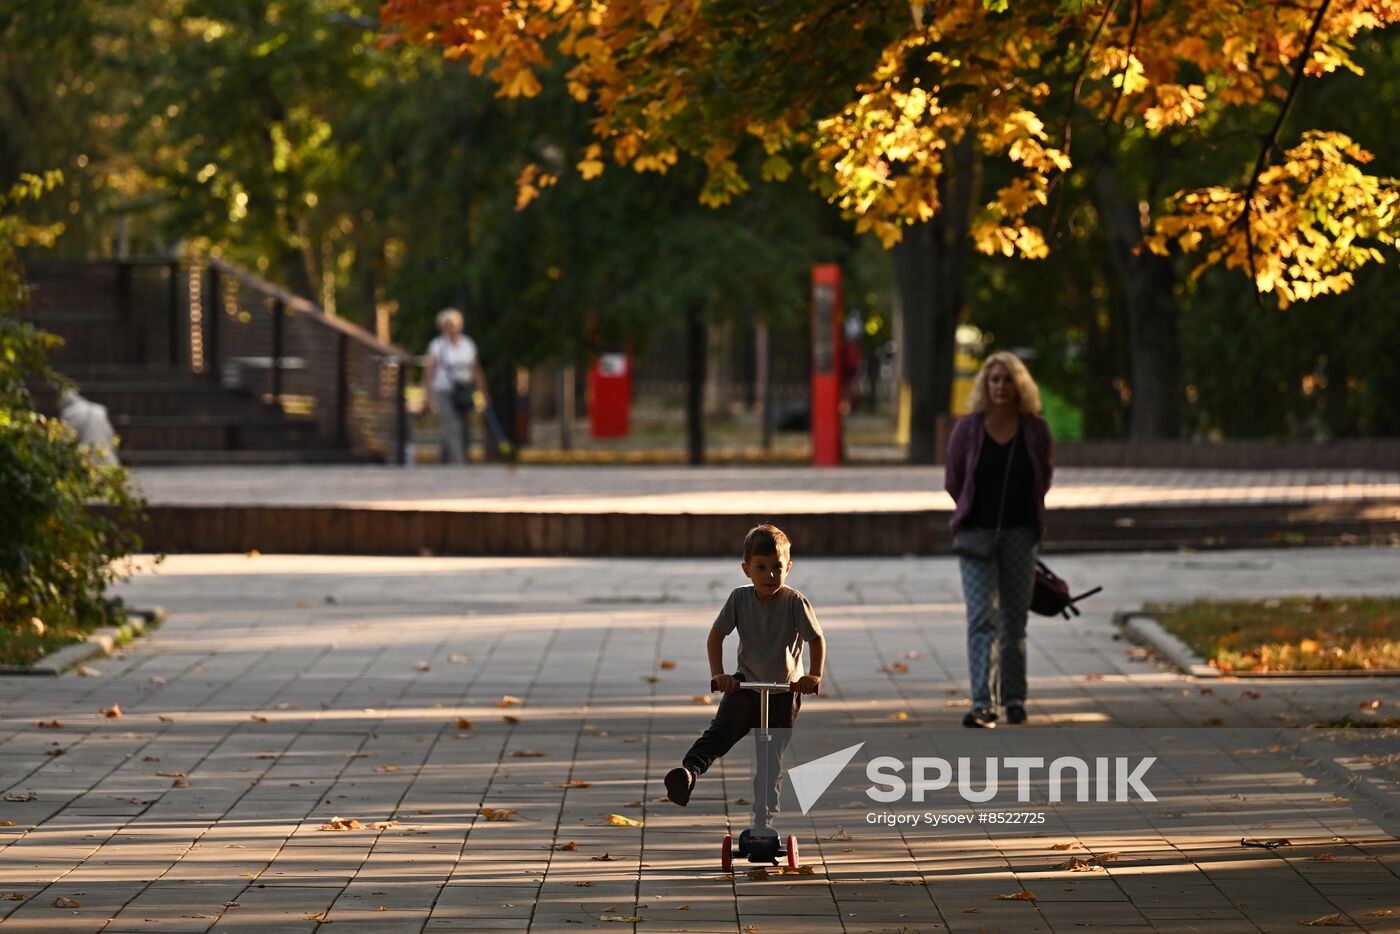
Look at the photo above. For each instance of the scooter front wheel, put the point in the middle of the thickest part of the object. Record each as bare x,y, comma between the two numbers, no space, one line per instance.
792,852
726,855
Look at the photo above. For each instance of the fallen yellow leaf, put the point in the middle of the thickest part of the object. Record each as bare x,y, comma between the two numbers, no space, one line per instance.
617,820
498,814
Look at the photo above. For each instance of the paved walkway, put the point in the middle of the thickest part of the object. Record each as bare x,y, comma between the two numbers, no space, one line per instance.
668,490
287,691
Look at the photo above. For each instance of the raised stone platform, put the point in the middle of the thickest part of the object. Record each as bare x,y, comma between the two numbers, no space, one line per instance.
642,511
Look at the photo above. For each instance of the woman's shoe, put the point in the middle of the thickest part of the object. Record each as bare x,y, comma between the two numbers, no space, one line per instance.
1015,714
983,718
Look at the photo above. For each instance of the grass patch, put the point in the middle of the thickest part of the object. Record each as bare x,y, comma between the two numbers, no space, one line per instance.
25,644
1289,634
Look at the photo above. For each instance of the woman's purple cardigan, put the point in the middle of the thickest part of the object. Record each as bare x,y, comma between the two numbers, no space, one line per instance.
965,446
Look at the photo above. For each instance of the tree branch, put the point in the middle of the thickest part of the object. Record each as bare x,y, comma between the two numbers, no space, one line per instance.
1083,73
1271,143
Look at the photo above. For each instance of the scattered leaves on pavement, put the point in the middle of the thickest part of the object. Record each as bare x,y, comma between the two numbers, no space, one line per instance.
895,668
28,794
570,846
527,754
258,718
618,820
50,725
700,699
605,858
511,720
63,901
342,823
508,700
900,715
1079,864
1021,896
1334,920
1264,844
112,712
759,873
464,724
85,671
666,665
574,783
1063,846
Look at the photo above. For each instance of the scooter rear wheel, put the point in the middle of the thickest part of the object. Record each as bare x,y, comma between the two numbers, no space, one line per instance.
792,852
726,855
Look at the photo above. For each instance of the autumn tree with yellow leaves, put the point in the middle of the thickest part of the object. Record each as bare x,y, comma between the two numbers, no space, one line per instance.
896,112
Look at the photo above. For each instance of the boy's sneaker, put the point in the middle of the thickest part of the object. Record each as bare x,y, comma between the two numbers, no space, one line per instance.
1015,714
984,718
679,782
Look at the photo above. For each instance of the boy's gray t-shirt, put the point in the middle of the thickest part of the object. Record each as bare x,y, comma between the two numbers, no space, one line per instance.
770,634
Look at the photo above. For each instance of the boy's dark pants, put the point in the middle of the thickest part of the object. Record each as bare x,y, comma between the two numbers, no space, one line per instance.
738,713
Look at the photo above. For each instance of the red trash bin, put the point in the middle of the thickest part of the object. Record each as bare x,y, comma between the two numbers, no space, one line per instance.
610,395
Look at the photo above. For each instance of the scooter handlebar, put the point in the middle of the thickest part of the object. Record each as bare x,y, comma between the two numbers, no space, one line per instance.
774,687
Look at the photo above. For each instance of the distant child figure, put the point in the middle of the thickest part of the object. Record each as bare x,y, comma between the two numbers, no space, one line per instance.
773,621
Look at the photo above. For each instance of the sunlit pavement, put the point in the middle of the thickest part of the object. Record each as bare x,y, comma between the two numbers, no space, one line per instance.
284,692
726,490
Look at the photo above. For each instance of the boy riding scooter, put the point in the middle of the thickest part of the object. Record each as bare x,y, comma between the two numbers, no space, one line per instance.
773,622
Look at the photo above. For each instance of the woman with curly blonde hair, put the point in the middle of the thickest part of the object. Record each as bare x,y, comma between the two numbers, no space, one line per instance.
998,469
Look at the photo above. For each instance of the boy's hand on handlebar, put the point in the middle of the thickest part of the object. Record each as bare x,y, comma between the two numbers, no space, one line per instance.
726,683
808,684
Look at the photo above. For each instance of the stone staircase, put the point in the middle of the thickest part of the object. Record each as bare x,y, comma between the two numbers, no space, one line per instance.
132,343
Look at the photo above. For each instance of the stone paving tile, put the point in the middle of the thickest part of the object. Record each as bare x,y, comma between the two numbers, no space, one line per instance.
356,727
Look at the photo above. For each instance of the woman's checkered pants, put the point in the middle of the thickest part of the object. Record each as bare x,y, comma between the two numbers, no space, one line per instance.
997,592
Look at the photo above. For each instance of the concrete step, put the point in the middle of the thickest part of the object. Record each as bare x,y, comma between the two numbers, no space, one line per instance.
268,456
214,432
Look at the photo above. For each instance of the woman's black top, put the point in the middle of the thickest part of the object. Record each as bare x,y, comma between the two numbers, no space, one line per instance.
991,472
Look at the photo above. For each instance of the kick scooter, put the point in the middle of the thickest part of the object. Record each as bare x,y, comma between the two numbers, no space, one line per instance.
760,843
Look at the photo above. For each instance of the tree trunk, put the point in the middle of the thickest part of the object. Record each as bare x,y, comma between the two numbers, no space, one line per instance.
930,262
1148,282
696,340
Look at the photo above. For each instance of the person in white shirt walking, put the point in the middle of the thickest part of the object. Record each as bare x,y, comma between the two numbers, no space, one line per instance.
451,379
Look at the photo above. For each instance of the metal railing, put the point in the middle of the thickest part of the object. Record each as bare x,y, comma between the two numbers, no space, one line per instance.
248,333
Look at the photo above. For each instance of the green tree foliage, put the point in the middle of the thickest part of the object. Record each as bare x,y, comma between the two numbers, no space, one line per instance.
56,552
